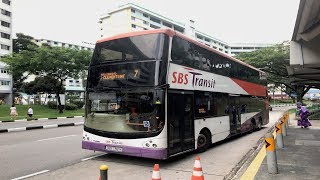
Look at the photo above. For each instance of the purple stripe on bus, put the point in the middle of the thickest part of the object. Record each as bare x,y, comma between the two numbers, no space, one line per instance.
127,150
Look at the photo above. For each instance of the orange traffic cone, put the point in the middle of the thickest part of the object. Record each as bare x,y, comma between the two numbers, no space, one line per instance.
156,172
197,170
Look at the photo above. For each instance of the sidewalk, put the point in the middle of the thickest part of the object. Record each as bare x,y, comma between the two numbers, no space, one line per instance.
40,124
300,158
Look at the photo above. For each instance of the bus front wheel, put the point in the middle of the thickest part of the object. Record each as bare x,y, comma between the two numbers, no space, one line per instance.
204,141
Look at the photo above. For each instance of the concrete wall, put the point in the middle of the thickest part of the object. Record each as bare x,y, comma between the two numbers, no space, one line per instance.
116,23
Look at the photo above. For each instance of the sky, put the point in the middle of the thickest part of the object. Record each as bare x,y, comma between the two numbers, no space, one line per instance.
232,21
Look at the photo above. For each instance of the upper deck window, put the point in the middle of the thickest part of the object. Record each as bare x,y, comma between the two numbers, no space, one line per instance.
143,47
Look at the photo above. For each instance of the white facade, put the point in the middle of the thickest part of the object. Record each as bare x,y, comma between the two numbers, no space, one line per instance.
39,42
5,48
131,17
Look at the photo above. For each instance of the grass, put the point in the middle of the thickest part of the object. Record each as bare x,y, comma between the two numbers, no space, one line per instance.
39,111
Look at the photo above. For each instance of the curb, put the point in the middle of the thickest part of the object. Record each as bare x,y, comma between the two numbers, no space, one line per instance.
21,120
250,155
40,127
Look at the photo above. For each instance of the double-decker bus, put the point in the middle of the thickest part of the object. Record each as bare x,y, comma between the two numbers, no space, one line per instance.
158,94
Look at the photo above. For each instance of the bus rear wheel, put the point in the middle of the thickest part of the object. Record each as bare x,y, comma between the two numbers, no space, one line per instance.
204,141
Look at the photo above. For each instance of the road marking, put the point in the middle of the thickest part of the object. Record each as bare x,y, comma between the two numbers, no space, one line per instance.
30,175
85,159
57,137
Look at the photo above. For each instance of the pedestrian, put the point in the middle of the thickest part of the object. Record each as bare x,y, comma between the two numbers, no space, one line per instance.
303,112
13,112
30,112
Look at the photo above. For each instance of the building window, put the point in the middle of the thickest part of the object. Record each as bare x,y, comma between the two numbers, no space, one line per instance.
56,43
145,15
5,35
153,26
145,29
5,83
70,81
133,26
5,12
133,18
5,24
133,11
77,81
145,22
6,2
5,47
167,24
155,20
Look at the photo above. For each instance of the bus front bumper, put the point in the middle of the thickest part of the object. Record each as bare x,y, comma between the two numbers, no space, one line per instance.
126,150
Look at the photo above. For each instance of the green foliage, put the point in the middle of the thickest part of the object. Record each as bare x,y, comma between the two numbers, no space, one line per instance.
52,63
274,61
23,43
52,105
79,104
70,106
43,85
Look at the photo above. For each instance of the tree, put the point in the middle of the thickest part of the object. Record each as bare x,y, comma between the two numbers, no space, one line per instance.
22,43
60,63
274,61
18,65
44,84
22,47
52,62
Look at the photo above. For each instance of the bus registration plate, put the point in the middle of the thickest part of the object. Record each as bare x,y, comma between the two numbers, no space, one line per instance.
116,149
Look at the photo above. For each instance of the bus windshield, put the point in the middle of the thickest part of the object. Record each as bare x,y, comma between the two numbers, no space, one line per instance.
144,47
124,112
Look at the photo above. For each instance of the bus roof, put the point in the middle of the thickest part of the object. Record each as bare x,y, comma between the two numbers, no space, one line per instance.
171,33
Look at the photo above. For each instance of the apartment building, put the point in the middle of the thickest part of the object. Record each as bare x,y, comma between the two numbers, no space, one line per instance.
5,48
131,17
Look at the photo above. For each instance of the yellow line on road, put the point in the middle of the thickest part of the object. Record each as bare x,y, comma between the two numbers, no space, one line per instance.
252,170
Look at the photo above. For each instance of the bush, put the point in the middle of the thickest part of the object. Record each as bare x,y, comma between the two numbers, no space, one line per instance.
52,105
70,106
79,104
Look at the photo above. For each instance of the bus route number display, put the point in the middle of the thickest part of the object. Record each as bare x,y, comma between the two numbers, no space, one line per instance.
119,76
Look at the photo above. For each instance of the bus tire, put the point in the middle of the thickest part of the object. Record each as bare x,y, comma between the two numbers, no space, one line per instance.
259,124
204,141
253,125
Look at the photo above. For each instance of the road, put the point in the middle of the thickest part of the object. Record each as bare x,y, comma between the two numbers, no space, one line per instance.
59,151
27,152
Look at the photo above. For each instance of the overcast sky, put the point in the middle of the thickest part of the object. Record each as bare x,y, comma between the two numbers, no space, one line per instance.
233,21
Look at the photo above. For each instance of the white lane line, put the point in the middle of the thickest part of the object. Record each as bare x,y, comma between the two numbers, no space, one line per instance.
30,175
57,137
86,159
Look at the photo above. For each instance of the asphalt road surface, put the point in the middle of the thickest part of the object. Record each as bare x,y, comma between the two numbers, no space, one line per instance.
28,152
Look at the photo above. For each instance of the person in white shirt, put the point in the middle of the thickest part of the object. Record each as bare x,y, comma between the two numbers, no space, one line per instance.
13,112
30,112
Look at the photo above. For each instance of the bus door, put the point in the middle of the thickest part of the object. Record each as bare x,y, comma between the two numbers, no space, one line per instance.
180,122
234,114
